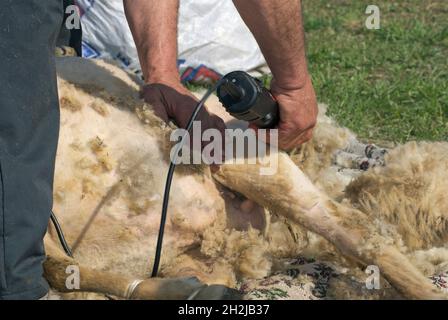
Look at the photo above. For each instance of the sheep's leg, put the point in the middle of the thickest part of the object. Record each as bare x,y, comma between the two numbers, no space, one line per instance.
290,193
112,284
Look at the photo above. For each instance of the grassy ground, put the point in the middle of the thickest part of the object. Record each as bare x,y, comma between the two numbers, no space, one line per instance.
388,84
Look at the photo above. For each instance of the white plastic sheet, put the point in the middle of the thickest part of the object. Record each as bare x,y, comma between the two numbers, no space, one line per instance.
211,33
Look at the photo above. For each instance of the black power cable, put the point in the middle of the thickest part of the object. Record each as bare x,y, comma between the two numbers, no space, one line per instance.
170,174
61,235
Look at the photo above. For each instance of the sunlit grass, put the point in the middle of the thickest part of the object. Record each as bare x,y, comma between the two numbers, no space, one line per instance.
388,84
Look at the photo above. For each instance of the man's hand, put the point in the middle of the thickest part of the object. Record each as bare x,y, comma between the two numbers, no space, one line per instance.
172,101
154,26
298,114
278,28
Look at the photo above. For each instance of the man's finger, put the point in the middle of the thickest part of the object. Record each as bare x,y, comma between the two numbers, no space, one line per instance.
304,137
266,138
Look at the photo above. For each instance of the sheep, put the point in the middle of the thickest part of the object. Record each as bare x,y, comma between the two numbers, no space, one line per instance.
333,198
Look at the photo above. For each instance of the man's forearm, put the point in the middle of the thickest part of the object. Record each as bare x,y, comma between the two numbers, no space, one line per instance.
278,29
154,26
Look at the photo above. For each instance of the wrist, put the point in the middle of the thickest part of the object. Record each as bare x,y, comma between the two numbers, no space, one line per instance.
162,76
290,84
166,80
290,74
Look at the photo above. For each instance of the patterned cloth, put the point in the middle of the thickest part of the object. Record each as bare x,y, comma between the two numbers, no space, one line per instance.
307,279
303,279
441,281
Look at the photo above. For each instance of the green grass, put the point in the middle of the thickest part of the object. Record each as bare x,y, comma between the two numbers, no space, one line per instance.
388,84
